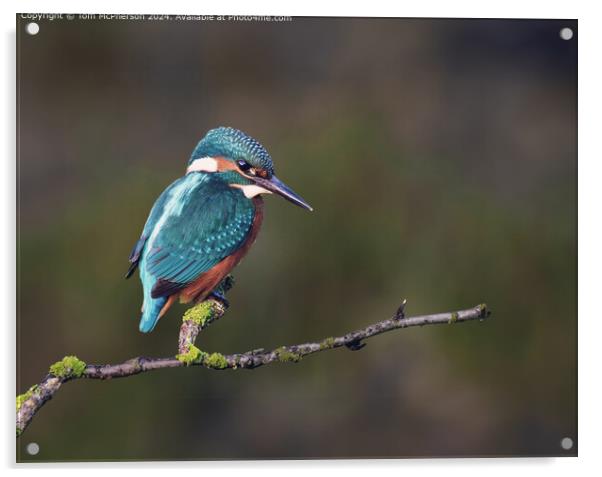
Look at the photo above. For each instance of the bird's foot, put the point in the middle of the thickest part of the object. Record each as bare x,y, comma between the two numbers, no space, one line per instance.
219,297
226,284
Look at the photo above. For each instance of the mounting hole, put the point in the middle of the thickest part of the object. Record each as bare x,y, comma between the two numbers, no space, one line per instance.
566,34
32,28
566,443
32,448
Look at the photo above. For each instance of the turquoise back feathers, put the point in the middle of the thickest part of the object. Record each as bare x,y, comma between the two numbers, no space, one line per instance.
196,222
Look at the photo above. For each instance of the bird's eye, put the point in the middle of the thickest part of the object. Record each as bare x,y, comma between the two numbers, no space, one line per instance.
243,165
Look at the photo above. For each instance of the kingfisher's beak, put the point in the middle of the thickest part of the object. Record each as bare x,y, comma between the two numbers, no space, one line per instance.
276,186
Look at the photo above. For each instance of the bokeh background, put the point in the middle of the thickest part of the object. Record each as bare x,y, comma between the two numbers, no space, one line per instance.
440,156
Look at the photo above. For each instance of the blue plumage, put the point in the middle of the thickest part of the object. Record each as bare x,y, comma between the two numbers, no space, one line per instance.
235,145
197,222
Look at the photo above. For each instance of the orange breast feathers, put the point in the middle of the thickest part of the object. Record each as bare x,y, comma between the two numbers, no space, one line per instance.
199,289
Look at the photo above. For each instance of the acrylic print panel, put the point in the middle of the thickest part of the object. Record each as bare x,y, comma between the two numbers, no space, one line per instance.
439,156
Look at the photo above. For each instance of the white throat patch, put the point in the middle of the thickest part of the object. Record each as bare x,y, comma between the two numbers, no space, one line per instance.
251,190
204,164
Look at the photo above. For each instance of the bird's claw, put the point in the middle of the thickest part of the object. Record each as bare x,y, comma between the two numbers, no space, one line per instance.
220,297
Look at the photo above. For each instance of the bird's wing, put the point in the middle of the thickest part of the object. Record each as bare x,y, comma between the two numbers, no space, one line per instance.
135,255
152,220
196,232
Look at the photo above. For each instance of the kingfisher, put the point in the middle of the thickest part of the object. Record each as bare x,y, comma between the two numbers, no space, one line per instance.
203,224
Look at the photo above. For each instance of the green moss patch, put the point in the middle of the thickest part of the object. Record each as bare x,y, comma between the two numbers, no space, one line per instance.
200,313
68,367
194,355
216,361
21,398
327,343
287,356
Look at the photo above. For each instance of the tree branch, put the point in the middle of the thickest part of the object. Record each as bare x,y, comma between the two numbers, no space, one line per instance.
198,318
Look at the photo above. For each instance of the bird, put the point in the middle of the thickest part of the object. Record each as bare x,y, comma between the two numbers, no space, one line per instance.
204,223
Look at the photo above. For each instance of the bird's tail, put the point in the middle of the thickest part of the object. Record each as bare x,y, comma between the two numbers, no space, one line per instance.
150,313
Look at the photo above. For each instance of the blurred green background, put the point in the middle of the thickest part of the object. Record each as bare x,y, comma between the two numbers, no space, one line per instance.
440,156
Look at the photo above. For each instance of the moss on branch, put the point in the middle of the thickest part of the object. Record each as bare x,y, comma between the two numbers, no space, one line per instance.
68,367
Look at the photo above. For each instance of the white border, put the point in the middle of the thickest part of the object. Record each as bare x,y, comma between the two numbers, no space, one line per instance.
590,237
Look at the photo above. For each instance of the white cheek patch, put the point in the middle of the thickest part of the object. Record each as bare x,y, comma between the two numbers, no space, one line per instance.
252,190
204,164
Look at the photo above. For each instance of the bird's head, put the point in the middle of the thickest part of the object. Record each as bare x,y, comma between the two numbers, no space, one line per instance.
242,162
